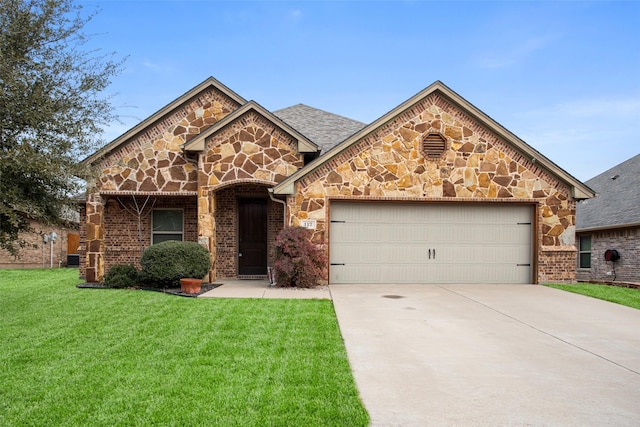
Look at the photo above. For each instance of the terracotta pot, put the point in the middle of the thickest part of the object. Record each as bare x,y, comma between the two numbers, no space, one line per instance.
190,286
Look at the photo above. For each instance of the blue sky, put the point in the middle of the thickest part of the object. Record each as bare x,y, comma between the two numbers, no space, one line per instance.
562,75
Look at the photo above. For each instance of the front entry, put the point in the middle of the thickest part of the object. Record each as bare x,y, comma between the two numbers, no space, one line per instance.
252,237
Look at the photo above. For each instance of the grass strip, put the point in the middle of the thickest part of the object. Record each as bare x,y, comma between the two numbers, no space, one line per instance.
620,295
78,357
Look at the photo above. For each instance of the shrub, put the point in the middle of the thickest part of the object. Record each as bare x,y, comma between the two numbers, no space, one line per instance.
299,263
122,276
164,264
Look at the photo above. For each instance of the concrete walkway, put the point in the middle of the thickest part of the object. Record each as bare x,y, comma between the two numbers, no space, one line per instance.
490,355
261,289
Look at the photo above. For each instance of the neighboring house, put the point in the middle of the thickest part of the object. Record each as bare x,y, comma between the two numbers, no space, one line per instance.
41,251
434,191
611,221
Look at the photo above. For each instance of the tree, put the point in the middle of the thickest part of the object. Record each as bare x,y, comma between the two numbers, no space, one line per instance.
52,107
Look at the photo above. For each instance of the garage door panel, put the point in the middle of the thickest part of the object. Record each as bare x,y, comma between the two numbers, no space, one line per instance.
376,273
388,253
430,243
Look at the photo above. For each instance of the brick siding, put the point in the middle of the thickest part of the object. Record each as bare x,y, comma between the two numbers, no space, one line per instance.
122,244
38,254
627,269
226,217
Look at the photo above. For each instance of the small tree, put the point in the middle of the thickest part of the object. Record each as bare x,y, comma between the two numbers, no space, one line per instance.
299,263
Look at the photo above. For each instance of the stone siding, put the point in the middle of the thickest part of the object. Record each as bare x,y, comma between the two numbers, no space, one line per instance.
627,269
82,250
150,162
154,161
248,151
389,164
247,155
93,249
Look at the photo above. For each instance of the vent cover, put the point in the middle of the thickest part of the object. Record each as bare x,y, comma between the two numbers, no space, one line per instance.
433,145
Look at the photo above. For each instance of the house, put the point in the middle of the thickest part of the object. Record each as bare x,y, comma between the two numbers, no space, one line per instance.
611,222
434,191
43,252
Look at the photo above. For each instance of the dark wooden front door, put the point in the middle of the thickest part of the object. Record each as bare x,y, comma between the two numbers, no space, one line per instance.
252,237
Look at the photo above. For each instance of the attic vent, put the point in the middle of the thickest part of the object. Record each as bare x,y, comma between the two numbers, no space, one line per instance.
433,145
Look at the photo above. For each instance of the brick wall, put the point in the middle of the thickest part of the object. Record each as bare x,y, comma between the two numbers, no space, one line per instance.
226,217
122,242
226,214
557,266
627,269
275,223
38,254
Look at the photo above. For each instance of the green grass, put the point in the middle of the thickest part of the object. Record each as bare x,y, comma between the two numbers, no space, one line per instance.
79,357
625,296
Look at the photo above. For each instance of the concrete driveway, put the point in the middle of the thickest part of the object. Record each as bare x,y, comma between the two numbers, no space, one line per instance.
490,355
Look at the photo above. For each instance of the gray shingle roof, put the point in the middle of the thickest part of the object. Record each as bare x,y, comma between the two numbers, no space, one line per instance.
323,128
618,198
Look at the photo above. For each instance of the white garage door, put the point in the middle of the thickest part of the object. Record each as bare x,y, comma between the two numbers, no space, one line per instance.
430,243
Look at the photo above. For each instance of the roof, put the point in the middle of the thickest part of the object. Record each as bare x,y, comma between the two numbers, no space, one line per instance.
323,128
578,189
618,198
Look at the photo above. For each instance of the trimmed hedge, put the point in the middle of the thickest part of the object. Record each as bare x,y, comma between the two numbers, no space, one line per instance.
164,264
122,276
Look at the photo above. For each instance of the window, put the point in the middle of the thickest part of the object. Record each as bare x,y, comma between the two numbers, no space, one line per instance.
584,252
166,224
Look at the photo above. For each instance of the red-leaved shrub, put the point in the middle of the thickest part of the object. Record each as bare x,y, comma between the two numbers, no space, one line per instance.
299,263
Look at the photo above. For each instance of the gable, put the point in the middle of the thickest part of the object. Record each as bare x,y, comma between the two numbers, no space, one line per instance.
304,145
248,148
149,157
452,111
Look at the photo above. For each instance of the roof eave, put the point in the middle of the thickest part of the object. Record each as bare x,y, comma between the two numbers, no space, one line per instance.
608,227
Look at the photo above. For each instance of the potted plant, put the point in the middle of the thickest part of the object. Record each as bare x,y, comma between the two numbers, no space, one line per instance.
190,286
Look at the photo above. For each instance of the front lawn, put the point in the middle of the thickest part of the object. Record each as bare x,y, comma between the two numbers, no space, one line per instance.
79,357
625,296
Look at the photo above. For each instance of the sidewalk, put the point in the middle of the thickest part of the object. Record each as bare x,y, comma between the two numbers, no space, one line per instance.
261,289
